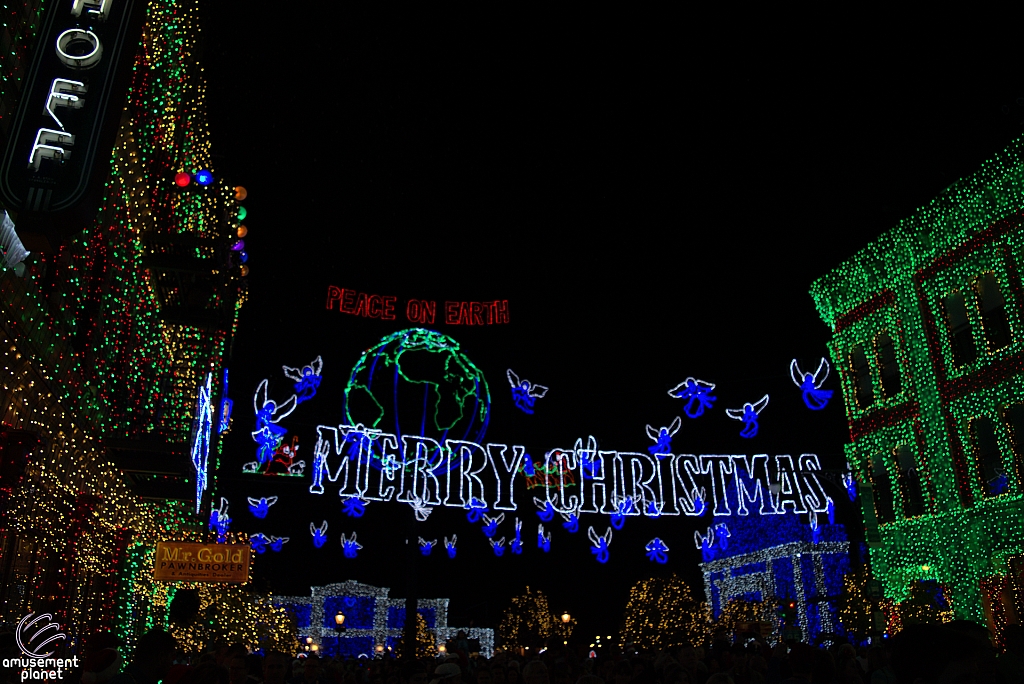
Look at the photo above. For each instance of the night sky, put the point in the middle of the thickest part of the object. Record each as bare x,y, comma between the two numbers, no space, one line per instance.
651,208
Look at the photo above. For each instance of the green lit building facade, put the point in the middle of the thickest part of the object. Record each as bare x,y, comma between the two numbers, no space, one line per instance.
928,335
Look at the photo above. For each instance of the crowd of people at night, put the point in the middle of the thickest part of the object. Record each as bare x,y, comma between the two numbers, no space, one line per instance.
959,652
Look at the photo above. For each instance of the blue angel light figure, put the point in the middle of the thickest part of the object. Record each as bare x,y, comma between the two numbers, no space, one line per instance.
814,397
654,510
851,485
572,522
748,414
219,520
449,546
319,534
625,507
524,393
491,524
699,504
517,543
353,506
657,551
307,380
350,547
258,542
697,395
589,466
815,527
475,510
543,541
268,435
277,543
426,546
498,546
546,511
600,544
662,438
260,507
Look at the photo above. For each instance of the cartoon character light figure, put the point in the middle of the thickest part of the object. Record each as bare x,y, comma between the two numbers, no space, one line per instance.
306,380
524,393
600,544
697,395
748,414
319,534
662,437
657,551
268,435
814,397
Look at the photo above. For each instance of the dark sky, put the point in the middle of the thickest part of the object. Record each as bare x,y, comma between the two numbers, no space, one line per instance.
651,207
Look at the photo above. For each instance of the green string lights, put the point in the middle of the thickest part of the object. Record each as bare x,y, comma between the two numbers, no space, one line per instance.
935,418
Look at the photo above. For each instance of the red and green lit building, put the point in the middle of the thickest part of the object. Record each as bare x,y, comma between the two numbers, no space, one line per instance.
928,333
104,342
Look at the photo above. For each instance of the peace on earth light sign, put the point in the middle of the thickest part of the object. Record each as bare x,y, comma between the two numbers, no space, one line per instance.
376,466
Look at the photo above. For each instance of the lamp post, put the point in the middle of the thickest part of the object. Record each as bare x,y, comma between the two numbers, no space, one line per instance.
339,621
566,617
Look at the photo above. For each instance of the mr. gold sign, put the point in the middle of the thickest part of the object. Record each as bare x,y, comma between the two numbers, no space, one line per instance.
190,562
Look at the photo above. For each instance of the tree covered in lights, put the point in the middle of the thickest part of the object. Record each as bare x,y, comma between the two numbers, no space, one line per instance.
662,613
229,613
739,610
426,644
527,622
854,606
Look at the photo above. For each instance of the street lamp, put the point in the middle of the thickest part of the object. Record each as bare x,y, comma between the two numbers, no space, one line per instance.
566,617
339,621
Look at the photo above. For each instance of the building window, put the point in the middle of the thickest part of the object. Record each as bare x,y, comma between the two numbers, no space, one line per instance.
909,482
1013,416
888,366
882,487
987,458
960,329
863,392
993,312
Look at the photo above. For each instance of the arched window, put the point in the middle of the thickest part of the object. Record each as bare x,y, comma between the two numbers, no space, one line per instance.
987,460
993,312
959,329
888,366
910,482
882,486
863,391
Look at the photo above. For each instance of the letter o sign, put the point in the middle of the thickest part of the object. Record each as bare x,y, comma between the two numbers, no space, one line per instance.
79,49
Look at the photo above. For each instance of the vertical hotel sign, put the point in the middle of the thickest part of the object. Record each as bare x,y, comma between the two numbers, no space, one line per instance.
57,154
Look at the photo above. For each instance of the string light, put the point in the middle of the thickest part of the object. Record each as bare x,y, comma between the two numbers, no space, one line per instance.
662,613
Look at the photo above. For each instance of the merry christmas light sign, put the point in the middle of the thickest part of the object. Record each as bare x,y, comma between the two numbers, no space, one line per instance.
372,465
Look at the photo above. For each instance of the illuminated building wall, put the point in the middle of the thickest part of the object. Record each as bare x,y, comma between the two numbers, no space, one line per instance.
19,27
104,344
928,335
373,622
